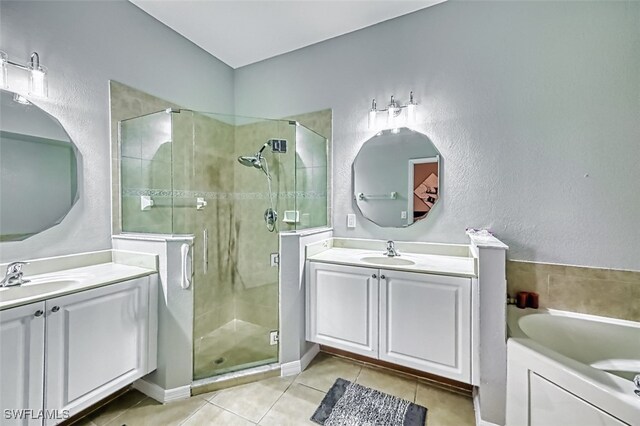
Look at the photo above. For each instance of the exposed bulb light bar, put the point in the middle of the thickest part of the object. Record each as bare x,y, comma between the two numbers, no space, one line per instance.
394,111
38,82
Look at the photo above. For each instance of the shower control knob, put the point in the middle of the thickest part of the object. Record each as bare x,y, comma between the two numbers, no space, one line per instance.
38,313
374,276
55,309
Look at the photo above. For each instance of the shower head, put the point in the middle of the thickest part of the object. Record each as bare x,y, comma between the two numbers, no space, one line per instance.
250,161
255,161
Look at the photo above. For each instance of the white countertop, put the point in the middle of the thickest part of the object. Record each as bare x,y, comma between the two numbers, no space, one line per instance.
62,282
460,266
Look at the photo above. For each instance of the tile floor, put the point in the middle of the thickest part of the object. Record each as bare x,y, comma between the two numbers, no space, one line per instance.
283,401
237,343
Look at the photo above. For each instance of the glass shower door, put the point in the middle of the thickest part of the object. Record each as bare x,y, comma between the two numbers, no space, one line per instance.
236,297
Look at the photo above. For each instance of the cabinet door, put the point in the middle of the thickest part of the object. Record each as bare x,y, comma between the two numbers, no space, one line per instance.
21,363
97,342
425,323
342,307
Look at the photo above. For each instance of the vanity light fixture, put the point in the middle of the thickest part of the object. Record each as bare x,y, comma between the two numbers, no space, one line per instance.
38,84
393,110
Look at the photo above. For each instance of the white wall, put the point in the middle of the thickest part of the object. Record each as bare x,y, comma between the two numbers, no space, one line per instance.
534,106
85,44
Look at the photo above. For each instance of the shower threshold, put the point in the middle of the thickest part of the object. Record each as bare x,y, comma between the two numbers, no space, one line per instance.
235,378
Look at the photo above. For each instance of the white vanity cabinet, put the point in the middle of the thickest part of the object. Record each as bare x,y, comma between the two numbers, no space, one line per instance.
21,362
418,320
425,323
342,307
97,343
77,349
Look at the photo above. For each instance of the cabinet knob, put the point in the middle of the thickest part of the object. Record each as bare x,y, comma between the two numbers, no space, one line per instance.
374,276
382,277
38,313
55,309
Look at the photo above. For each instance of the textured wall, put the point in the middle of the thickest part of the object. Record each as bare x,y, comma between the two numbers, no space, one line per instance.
534,107
85,44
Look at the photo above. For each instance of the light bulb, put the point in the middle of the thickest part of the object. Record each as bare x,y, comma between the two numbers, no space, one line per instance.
391,117
372,115
38,82
372,119
4,83
411,113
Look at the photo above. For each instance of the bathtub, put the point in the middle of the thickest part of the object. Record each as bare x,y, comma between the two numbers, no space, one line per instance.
568,369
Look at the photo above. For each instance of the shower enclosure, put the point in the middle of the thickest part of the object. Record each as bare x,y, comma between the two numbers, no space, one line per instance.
234,183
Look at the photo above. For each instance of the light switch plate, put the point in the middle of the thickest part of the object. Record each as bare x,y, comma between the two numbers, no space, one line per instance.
403,214
351,220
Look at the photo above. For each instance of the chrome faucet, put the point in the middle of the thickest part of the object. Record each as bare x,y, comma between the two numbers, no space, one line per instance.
391,249
636,381
14,275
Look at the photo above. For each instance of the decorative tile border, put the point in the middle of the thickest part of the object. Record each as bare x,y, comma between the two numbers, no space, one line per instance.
177,194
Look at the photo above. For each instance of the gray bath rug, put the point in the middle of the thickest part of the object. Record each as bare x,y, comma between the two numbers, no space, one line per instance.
350,404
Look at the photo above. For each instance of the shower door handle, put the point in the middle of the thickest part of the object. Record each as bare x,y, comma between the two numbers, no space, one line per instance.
185,280
205,251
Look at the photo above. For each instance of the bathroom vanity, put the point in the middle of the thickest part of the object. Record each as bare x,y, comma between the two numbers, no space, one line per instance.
82,328
435,308
413,310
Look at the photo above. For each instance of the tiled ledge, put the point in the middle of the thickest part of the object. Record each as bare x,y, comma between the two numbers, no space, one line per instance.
605,292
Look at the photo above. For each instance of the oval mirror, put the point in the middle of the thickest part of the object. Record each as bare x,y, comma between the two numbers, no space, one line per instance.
38,169
396,177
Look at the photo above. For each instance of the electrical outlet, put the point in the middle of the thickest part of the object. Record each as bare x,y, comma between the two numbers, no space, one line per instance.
351,221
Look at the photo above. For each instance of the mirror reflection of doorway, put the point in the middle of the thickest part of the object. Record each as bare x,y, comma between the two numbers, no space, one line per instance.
424,185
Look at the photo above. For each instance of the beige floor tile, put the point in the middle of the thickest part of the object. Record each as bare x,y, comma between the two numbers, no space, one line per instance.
206,396
445,408
210,415
152,413
116,408
384,381
325,369
295,407
252,401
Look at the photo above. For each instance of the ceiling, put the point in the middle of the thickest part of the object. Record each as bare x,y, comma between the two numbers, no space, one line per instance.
243,32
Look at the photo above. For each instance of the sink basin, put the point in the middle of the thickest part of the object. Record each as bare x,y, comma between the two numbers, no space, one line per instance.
385,260
33,289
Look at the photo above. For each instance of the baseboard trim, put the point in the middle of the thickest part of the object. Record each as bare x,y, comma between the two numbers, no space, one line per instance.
309,356
161,395
476,409
297,367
